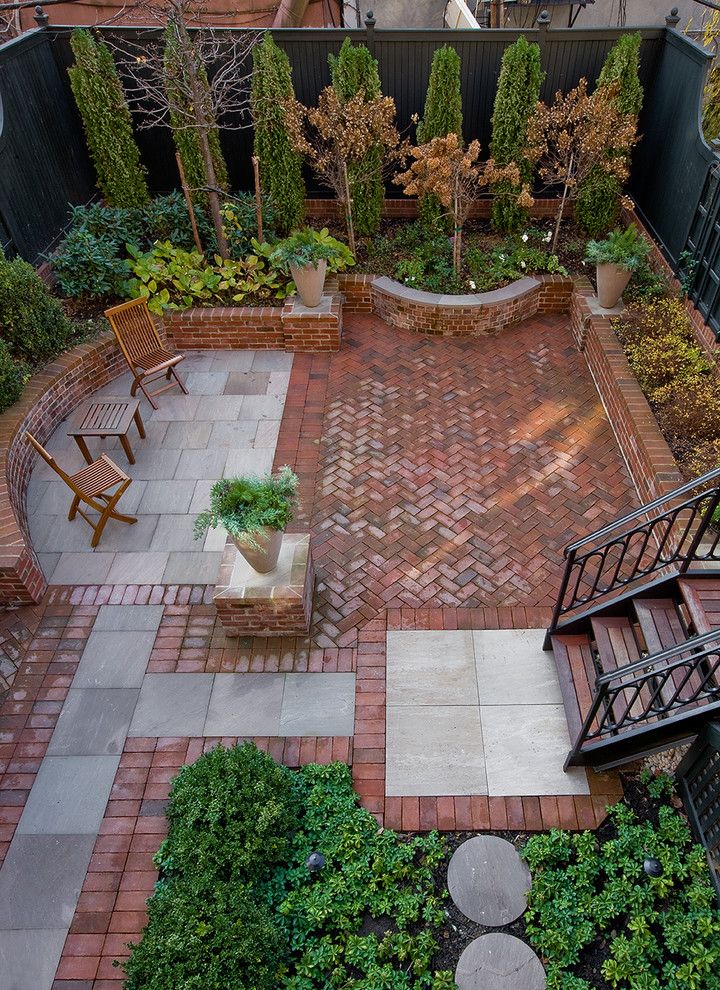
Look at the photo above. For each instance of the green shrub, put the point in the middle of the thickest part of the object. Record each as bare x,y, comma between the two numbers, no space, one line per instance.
646,284
517,95
627,248
12,374
240,222
280,165
309,246
33,323
353,70
106,119
89,265
442,116
658,932
516,258
598,202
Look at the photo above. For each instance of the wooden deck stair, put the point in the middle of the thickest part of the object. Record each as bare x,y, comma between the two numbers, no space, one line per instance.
647,627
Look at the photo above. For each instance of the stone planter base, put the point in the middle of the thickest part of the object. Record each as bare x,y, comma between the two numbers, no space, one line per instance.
278,603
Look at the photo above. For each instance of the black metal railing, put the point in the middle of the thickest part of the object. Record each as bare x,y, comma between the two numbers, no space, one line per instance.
668,534
665,686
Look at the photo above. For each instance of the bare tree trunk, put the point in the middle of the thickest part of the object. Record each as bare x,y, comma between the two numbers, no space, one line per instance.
561,208
213,198
188,203
348,209
258,197
457,230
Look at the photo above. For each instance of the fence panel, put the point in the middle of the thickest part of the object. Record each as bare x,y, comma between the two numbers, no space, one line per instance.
698,779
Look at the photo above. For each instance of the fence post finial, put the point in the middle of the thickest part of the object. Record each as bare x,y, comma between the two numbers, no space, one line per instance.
40,17
673,18
370,31
543,21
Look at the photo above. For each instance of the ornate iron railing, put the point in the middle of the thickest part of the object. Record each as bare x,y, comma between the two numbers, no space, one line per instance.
668,534
677,681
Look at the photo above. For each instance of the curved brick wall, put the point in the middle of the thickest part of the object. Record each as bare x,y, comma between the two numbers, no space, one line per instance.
471,315
48,398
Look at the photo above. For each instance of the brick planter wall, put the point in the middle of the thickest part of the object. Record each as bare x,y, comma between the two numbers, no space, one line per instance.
406,209
470,315
648,457
47,400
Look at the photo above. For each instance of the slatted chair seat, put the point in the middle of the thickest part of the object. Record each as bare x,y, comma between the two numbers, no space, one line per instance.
98,485
142,348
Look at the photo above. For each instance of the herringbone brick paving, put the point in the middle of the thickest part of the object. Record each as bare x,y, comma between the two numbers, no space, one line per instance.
453,472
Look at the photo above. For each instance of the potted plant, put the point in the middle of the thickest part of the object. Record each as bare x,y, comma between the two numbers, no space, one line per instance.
616,258
255,511
307,254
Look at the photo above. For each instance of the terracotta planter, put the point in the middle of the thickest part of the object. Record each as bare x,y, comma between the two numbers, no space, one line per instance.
612,281
310,282
262,557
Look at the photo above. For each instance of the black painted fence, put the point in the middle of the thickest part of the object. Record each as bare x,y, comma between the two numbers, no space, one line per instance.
44,165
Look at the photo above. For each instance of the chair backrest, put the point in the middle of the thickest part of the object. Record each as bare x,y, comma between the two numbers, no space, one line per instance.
134,329
29,438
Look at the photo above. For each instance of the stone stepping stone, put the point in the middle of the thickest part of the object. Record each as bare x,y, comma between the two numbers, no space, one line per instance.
499,962
488,881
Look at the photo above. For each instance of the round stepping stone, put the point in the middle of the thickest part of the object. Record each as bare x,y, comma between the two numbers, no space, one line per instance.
488,881
499,962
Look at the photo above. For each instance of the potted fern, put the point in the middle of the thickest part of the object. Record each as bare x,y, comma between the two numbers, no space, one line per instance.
616,258
255,510
308,254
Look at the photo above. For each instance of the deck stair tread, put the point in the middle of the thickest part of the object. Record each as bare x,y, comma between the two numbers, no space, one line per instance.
576,672
702,599
662,628
617,647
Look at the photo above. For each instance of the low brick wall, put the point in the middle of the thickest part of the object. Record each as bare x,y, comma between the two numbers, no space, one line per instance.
316,330
648,457
471,315
47,400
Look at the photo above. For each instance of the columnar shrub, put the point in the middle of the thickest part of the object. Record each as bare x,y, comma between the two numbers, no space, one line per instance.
280,164
33,323
517,94
11,377
186,138
442,116
354,71
107,122
598,202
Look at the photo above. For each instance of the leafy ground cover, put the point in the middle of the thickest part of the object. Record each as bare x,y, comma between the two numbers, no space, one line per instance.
237,906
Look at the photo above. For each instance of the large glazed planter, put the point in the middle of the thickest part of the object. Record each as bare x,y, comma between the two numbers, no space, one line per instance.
477,314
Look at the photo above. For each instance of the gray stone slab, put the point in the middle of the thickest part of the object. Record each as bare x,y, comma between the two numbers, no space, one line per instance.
497,961
41,878
254,460
165,496
488,881
196,464
428,667
114,659
28,959
525,749
173,408
93,722
58,534
123,618
263,406
245,705
69,795
151,463
247,383
513,668
172,705
199,567
272,361
175,532
187,436
82,568
206,382
48,563
318,705
235,434
267,433
232,361
201,496
130,539
138,567
55,500
434,749
219,407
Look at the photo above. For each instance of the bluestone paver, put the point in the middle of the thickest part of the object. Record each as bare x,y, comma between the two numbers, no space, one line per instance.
28,961
512,666
41,878
498,961
138,567
69,795
245,704
192,567
124,618
93,722
172,705
318,704
431,668
114,659
488,881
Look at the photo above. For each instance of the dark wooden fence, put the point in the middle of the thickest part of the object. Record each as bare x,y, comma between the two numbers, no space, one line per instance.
44,166
698,778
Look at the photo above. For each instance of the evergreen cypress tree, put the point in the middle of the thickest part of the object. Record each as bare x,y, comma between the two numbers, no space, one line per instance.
186,139
598,202
442,116
517,94
352,70
107,123
280,165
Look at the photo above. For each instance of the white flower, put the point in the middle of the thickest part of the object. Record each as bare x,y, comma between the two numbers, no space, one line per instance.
548,237
471,284
524,237
523,265
502,257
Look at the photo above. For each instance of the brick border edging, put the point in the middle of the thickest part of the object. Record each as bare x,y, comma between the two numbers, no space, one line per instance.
648,458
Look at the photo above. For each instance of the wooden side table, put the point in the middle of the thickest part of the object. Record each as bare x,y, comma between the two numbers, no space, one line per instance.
106,417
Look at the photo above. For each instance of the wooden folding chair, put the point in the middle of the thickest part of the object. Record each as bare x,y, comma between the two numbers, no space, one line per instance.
92,485
142,348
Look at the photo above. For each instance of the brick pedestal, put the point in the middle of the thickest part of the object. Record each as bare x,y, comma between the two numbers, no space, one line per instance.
274,604
318,329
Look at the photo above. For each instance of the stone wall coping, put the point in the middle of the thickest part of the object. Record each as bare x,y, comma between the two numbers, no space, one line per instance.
516,290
